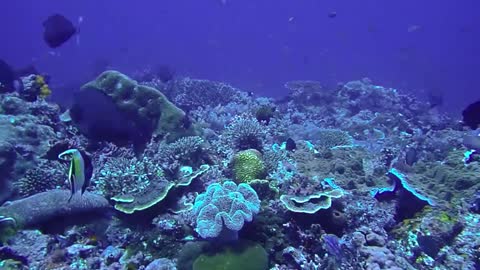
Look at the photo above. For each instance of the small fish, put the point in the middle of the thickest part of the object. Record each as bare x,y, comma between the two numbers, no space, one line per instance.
472,142
9,79
76,173
58,30
471,115
413,28
290,144
332,14
411,156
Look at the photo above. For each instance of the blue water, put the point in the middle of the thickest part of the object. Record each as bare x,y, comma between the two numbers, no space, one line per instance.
259,45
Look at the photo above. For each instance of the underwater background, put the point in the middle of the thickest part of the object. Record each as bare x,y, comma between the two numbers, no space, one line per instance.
255,46
227,134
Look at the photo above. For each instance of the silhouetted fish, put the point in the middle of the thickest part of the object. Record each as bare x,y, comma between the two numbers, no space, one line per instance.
58,30
411,156
471,115
290,144
472,142
9,79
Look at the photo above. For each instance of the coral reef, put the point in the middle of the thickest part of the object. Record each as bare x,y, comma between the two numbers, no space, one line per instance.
308,188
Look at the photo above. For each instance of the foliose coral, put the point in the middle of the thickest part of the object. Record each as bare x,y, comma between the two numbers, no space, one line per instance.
312,203
223,209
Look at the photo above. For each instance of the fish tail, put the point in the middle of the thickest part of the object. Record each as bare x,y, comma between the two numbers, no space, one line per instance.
71,196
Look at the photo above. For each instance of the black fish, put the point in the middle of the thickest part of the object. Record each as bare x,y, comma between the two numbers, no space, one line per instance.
472,142
471,115
9,79
290,145
58,30
411,156
97,116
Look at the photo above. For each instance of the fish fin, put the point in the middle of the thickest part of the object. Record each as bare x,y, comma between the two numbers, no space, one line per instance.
71,177
71,196
85,185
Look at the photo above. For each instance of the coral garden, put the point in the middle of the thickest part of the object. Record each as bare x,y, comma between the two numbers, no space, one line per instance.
196,174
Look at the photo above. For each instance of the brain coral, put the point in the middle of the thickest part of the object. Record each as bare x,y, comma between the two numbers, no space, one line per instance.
223,209
248,165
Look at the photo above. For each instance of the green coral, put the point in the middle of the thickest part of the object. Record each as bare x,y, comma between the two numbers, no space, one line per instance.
312,203
248,165
237,256
147,106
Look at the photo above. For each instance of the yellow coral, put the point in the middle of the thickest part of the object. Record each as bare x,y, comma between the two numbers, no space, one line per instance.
40,80
45,91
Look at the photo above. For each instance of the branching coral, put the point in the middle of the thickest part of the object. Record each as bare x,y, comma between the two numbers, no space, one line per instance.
45,176
121,175
245,132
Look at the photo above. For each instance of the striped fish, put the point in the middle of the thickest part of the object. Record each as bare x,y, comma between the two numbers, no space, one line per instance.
76,172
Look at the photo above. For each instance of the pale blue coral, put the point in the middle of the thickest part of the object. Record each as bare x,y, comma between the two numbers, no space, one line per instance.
225,206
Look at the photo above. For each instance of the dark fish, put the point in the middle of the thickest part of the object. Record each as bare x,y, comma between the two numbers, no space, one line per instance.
435,99
472,142
58,30
28,70
9,78
290,144
97,116
165,73
411,156
332,14
471,115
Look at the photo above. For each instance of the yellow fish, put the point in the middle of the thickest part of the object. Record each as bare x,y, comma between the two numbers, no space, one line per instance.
76,173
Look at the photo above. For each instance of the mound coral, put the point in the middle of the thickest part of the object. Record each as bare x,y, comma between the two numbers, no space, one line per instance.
238,257
248,165
146,106
45,209
223,209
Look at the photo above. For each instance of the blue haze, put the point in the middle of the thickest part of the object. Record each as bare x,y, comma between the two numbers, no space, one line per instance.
260,44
